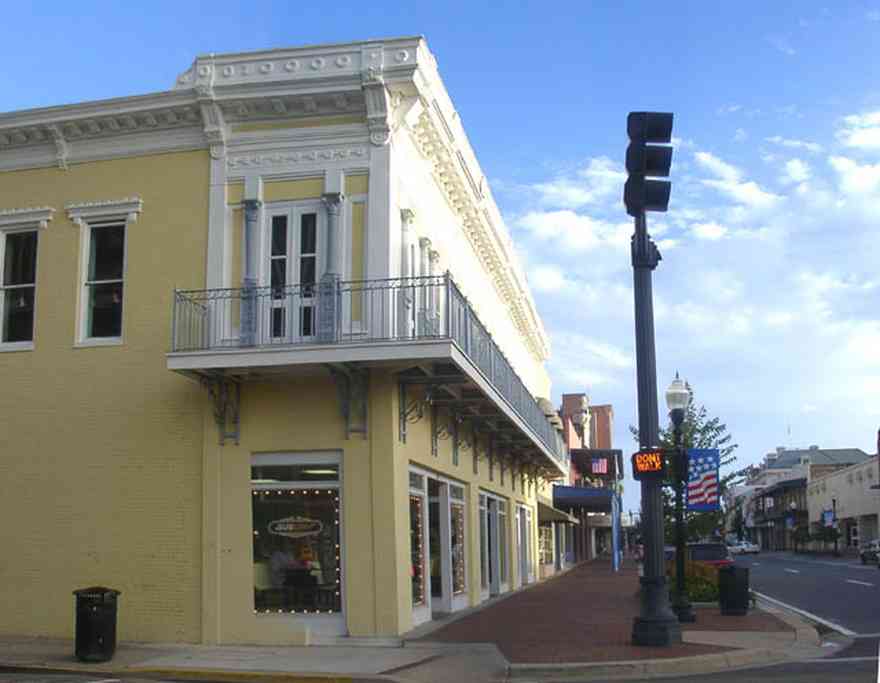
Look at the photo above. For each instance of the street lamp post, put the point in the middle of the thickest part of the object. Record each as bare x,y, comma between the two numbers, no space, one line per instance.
676,400
834,525
793,507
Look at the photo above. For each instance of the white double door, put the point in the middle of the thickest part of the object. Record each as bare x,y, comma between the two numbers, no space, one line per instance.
294,250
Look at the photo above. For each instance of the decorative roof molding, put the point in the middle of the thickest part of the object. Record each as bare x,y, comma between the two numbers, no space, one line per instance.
24,218
291,158
85,212
480,230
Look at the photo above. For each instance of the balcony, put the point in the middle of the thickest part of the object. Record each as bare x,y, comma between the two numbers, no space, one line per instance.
410,323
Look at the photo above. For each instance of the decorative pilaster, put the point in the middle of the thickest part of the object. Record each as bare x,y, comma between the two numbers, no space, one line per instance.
248,330
329,303
405,301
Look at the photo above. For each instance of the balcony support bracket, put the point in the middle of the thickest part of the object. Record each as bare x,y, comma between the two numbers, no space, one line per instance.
225,394
411,411
352,387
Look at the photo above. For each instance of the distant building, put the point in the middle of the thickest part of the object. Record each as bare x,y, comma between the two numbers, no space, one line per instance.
773,499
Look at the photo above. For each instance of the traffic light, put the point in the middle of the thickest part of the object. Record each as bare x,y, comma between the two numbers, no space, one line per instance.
644,159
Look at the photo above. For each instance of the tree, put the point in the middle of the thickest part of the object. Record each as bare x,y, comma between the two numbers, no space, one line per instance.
801,536
699,430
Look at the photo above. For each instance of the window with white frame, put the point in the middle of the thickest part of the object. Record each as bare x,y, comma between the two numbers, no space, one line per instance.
296,533
19,230
103,238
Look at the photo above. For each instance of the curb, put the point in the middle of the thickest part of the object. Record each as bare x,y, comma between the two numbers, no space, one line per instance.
638,668
223,675
804,635
214,675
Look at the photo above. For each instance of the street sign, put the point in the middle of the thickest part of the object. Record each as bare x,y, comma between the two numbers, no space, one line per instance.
649,463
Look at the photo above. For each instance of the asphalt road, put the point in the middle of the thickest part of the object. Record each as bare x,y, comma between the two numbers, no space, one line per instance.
843,592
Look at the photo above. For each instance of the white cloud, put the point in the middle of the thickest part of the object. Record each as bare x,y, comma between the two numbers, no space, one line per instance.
717,167
861,130
779,318
667,244
740,135
855,178
729,109
598,180
796,171
578,232
708,231
872,15
782,44
795,144
547,278
748,193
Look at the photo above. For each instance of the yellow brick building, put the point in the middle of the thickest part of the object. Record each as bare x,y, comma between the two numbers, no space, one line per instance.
270,366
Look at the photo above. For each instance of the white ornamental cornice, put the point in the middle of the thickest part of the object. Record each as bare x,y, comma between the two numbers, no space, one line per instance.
303,67
25,218
126,209
459,189
266,160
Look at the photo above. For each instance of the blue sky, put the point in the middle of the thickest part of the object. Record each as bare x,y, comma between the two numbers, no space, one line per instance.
766,299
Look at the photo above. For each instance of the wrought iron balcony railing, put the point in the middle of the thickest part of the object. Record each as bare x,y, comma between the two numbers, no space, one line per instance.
336,312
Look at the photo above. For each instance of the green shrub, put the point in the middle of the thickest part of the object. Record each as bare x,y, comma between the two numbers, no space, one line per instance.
701,590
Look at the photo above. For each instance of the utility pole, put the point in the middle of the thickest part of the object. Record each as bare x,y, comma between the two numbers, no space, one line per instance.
656,624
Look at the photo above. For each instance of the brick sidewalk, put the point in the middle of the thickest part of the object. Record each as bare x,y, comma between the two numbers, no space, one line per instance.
585,615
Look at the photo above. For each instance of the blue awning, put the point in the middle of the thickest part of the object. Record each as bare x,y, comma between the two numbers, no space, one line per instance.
582,497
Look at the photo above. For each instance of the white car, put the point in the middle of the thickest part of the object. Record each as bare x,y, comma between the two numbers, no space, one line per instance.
744,548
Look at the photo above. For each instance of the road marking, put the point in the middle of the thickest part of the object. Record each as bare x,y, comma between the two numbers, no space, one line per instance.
861,583
756,564
793,571
819,620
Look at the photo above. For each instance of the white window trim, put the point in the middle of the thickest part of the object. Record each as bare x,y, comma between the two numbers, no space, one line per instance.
22,220
85,215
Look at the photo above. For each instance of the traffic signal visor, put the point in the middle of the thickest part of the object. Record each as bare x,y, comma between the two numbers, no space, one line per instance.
649,126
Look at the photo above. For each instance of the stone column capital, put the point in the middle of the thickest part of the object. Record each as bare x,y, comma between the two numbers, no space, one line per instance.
333,201
407,216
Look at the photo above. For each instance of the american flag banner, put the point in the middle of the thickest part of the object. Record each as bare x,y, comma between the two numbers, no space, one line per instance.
599,465
702,489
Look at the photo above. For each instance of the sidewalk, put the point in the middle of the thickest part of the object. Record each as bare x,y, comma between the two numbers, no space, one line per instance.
587,615
577,624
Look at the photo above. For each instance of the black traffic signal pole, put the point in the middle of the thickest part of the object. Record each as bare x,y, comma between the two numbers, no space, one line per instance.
656,624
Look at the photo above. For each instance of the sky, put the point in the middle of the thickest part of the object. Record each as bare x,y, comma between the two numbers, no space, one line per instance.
766,300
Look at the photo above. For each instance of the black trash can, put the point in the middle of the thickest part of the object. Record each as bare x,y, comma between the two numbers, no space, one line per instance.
733,591
95,623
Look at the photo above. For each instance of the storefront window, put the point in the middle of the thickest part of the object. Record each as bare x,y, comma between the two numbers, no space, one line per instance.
296,547
502,541
457,519
484,546
417,548
545,544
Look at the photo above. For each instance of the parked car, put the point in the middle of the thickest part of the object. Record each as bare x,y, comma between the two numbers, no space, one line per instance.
716,554
870,551
743,548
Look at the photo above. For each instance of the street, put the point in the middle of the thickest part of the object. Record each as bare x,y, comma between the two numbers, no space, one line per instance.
842,592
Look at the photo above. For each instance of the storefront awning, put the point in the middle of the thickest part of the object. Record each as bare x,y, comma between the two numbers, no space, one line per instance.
585,498
548,513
